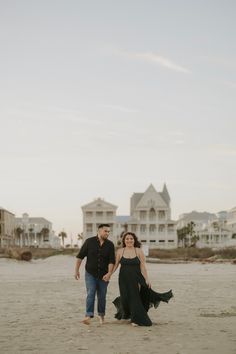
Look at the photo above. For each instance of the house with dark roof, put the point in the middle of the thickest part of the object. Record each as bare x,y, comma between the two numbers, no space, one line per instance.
150,218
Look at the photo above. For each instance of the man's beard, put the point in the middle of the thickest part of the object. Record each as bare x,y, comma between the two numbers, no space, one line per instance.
103,237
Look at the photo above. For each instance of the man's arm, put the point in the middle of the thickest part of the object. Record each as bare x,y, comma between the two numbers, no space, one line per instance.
82,253
107,276
111,264
77,267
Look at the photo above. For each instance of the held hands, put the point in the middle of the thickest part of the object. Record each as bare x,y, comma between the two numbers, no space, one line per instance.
106,277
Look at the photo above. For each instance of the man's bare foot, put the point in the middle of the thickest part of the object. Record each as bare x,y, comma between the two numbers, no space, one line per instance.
86,321
101,319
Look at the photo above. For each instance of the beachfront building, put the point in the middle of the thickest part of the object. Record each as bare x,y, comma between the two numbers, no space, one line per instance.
34,231
7,225
150,219
199,219
231,225
98,212
210,230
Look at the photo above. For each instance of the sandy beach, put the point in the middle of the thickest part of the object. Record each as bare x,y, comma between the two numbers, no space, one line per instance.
41,307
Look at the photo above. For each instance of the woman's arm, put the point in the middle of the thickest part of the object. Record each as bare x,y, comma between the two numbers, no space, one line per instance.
143,267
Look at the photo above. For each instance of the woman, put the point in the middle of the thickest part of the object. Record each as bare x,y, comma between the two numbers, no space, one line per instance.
136,295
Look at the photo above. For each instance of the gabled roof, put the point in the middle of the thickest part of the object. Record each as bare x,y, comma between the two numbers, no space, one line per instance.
134,200
233,209
36,220
165,194
99,203
151,198
3,209
198,216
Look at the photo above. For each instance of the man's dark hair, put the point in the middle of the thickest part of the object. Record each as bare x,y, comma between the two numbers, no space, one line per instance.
103,225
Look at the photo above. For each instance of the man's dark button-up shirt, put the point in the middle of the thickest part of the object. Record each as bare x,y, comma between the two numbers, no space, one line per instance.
98,256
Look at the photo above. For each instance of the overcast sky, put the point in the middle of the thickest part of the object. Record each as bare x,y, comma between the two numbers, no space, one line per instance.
102,98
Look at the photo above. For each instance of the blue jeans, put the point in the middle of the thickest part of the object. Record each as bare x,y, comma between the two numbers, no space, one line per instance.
93,286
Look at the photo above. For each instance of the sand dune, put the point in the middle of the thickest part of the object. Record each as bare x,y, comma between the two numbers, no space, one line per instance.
41,307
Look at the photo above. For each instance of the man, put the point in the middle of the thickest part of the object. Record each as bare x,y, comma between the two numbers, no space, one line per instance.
100,253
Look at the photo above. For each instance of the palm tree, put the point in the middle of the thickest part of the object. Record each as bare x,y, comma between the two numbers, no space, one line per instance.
192,233
187,235
31,229
45,233
63,235
182,235
19,231
80,236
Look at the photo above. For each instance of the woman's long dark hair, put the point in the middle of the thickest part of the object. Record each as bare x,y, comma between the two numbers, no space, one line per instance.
136,241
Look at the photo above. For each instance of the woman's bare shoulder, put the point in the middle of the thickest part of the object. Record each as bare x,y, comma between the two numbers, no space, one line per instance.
139,251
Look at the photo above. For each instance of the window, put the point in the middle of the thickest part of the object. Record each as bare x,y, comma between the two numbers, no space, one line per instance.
89,227
161,214
142,228
143,214
161,241
152,214
153,241
99,214
152,229
161,228
88,214
171,241
143,241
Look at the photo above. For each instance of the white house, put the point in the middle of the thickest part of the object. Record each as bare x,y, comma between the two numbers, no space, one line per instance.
212,230
150,218
98,212
231,225
34,231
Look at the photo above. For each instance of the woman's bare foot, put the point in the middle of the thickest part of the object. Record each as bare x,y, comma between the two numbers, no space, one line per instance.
134,324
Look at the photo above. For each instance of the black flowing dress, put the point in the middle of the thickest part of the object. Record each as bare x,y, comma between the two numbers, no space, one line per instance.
135,297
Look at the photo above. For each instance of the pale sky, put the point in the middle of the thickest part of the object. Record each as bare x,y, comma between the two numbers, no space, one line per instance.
102,98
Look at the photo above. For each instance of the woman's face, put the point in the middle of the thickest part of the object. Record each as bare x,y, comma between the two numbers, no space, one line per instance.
129,240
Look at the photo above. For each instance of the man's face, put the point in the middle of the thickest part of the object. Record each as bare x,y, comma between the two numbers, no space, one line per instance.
103,233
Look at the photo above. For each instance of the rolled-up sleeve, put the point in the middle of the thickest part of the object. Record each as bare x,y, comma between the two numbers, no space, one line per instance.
112,258
83,251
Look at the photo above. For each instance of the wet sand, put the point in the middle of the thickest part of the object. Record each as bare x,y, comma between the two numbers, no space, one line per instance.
41,306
